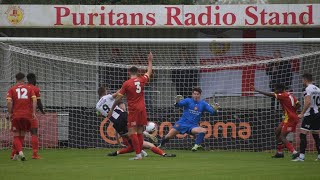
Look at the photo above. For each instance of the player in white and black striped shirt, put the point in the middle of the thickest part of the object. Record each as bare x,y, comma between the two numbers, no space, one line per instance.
311,116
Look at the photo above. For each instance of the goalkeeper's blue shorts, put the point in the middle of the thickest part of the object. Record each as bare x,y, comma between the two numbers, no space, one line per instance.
184,128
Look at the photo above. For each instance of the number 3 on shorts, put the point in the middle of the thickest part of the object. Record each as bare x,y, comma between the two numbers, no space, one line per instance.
138,90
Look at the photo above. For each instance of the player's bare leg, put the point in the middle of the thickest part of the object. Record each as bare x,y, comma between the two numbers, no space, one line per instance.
200,132
280,144
34,143
171,134
133,134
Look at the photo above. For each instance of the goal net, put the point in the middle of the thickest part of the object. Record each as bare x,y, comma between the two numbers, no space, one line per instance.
69,72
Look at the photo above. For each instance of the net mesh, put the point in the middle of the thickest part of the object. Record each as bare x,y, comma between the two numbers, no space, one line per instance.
69,74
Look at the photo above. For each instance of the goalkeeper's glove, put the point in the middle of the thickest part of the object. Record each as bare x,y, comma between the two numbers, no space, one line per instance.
179,98
215,106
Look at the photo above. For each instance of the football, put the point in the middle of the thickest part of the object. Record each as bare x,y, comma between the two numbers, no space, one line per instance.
151,127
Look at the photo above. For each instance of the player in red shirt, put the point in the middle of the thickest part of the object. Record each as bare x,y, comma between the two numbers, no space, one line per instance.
21,103
289,104
137,114
32,81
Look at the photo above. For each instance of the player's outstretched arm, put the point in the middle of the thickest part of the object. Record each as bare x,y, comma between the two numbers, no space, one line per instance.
40,106
9,105
150,58
114,95
298,105
265,93
215,107
116,102
179,101
34,106
306,105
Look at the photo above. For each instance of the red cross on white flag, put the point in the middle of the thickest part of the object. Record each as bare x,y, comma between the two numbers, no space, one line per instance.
237,80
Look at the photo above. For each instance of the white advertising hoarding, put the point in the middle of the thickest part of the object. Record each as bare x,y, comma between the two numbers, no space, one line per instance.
160,16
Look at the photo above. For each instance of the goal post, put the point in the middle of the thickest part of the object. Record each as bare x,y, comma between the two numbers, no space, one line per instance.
70,70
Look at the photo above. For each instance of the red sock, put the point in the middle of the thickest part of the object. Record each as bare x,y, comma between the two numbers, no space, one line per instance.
17,143
135,143
141,139
13,151
35,144
157,150
290,147
280,148
21,138
125,150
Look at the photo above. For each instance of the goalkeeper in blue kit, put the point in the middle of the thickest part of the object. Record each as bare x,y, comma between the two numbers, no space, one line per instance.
189,121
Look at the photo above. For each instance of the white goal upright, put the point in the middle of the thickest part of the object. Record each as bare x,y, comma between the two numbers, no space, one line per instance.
70,70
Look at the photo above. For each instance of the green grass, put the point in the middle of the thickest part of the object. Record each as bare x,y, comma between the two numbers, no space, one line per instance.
93,165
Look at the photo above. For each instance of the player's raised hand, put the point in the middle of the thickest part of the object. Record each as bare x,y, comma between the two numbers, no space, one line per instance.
216,106
179,98
150,56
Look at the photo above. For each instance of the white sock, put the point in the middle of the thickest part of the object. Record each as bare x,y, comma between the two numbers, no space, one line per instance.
318,156
301,156
138,155
294,152
21,153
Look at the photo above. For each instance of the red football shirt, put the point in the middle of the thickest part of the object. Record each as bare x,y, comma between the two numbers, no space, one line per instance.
134,90
35,89
288,103
21,96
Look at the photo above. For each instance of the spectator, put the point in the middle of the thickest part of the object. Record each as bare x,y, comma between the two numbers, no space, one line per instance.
279,72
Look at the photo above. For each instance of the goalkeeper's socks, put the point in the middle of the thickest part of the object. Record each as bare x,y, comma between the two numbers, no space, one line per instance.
157,151
301,156
200,138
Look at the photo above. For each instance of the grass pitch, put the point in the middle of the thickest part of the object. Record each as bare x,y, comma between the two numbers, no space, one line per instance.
92,164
